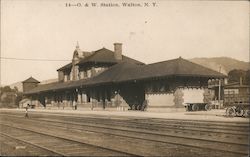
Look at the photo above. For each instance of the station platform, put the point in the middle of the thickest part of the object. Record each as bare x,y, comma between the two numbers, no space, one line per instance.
212,115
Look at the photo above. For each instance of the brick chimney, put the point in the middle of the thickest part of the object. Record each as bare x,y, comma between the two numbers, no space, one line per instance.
118,51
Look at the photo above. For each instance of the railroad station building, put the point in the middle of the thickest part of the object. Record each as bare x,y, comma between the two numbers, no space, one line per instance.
106,79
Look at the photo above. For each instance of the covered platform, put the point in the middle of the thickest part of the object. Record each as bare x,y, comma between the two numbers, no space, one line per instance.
131,86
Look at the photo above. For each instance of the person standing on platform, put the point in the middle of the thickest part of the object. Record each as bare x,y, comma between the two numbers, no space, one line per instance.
74,105
26,111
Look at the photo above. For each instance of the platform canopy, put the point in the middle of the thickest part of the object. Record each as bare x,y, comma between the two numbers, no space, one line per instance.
129,71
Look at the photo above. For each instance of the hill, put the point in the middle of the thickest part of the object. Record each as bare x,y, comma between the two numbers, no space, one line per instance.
227,64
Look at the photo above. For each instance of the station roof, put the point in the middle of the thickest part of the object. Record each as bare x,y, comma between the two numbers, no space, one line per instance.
178,67
128,71
124,71
65,67
54,86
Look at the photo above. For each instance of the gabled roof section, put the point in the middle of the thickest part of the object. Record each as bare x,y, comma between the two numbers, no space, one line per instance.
65,67
81,54
102,56
30,80
106,56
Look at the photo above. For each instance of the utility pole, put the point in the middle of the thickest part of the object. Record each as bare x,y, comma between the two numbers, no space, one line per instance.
219,90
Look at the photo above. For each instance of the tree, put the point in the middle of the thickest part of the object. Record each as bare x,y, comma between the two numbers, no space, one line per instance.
19,97
9,97
15,89
6,89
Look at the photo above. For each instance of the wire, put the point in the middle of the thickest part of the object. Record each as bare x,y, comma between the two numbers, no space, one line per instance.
32,59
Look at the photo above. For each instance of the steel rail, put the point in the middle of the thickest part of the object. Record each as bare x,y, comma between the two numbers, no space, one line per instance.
168,126
175,143
66,139
52,122
35,145
176,126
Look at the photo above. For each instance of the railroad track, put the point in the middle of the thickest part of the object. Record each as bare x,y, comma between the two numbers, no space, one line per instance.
174,124
237,126
234,149
233,129
182,129
58,146
182,133
212,135
11,146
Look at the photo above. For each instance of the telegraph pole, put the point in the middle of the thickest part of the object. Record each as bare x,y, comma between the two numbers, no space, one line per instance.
219,89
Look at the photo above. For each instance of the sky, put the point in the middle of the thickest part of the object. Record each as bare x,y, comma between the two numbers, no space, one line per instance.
36,29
